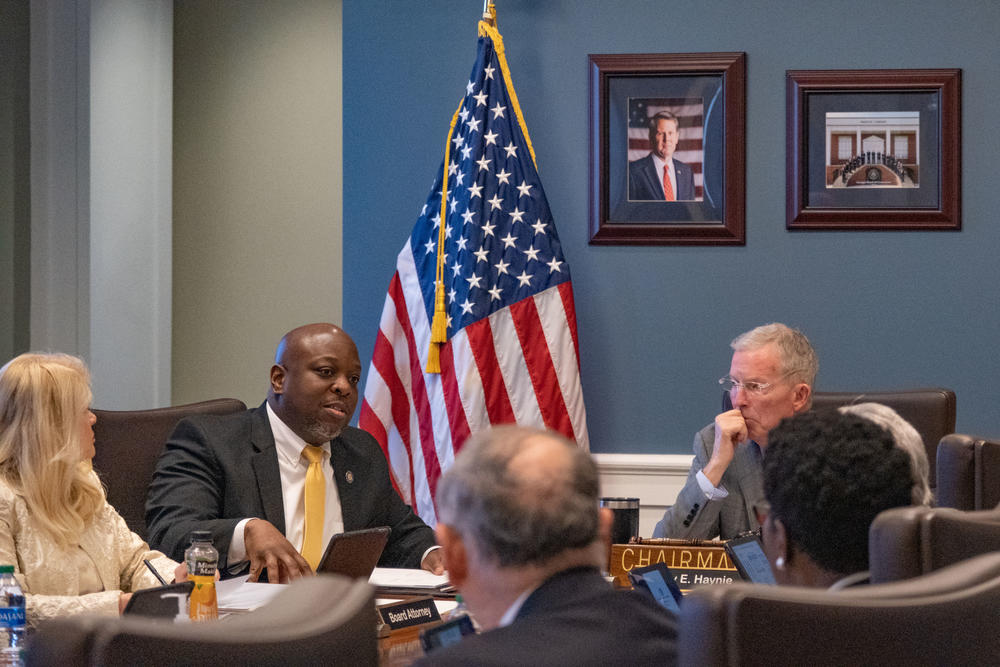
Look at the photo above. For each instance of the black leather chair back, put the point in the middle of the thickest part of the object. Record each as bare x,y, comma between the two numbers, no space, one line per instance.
322,620
128,444
968,472
907,542
944,618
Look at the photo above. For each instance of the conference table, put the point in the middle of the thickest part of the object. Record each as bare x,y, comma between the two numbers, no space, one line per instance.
402,647
690,559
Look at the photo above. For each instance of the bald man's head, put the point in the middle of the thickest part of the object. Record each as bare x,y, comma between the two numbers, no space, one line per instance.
521,495
314,381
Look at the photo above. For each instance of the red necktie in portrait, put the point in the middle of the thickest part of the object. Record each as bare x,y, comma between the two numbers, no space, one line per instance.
668,189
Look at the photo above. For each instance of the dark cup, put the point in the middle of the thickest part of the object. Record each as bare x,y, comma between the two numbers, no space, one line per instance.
626,521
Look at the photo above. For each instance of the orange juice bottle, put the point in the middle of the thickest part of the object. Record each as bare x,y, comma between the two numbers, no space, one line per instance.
202,560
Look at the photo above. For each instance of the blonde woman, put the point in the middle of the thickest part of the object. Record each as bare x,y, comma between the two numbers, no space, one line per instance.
70,549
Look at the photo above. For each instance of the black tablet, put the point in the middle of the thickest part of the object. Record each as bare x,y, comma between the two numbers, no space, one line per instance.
355,553
748,556
447,633
159,602
658,581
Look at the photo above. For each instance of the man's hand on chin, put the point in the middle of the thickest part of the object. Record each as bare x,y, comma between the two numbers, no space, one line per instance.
730,430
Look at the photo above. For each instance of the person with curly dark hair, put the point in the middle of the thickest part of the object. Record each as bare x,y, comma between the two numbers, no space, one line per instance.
826,476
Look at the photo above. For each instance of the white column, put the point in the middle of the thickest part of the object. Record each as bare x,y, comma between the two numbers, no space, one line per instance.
101,85
131,202
60,176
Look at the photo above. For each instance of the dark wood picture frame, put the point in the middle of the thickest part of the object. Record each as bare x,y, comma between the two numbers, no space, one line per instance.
717,217
809,92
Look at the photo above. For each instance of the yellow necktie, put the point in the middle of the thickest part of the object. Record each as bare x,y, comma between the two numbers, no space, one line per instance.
312,540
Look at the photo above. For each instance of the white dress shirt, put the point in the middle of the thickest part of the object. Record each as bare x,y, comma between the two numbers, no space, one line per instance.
292,467
711,491
515,608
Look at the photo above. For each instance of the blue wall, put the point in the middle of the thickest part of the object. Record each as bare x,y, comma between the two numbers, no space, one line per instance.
884,310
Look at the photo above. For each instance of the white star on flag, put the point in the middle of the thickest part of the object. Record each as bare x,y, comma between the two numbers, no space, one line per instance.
509,350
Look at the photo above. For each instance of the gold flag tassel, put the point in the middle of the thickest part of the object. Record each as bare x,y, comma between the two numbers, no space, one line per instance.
439,325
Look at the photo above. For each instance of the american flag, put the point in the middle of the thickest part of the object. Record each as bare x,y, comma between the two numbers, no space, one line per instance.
512,354
690,121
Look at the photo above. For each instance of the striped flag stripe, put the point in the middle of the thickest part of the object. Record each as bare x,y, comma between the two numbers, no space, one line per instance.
452,401
376,427
641,147
418,391
511,353
684,134
569,309
538,360
471,391
559,336
513,369
497,399
391,383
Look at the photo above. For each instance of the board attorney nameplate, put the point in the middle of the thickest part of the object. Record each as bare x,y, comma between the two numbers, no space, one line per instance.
417,611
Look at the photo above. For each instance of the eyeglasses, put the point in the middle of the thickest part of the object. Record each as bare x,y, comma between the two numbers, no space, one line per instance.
758,388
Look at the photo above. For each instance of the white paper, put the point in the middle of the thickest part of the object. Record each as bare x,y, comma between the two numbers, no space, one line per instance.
238,594
400,577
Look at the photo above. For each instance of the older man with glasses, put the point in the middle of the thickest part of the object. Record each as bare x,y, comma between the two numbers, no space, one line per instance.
771,377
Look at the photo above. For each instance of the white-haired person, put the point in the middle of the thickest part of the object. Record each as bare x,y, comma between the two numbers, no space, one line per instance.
906,438
71,551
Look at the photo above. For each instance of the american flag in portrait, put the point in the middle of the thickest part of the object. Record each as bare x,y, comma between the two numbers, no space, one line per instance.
690,114
511,354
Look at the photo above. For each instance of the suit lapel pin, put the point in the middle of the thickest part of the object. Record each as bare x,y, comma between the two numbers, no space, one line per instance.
349,476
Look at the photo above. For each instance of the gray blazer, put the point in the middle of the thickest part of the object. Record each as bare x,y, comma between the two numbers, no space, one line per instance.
693,517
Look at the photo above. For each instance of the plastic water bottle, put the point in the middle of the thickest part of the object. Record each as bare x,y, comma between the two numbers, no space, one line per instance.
461,609
12,621
202,560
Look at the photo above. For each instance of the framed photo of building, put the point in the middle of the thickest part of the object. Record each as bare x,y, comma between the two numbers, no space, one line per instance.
873,149
667,149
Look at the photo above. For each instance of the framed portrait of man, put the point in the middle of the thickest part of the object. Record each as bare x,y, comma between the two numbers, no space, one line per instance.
667,149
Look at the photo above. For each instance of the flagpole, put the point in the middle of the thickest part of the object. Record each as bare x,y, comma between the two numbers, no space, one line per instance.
439,323
503,297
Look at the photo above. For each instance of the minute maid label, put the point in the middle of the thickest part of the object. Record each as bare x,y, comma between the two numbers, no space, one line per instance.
204,568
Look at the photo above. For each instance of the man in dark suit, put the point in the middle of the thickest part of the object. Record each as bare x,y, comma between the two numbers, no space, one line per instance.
771,377
246,477
523,539
658,176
